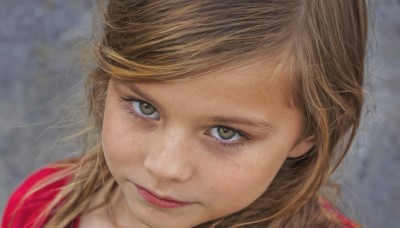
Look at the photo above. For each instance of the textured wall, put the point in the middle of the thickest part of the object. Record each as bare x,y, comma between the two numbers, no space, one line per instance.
40,47
374,181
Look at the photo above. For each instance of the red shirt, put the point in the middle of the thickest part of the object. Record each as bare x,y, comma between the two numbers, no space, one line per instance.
26,213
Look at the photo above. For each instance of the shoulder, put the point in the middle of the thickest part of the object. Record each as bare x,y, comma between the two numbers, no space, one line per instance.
28,200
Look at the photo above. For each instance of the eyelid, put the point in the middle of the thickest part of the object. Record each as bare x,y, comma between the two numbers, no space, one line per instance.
235,144
131,99
136,106
240,132
134,92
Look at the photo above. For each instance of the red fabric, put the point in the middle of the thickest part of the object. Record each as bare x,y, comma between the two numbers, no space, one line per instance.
346,222
20,214
26,213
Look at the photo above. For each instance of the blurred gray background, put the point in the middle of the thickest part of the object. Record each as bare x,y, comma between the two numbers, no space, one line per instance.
41,44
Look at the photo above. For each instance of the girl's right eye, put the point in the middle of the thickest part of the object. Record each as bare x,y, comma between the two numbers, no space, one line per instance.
144,110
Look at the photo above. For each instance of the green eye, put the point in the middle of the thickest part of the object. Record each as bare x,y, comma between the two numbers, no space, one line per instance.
145,109
225,134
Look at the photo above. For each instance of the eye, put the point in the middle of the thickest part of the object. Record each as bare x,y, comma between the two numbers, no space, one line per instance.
145,109
225,134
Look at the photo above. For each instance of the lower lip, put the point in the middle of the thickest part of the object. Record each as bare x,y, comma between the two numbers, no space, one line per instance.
164,203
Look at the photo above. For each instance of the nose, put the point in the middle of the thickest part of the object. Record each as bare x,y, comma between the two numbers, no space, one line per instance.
168,158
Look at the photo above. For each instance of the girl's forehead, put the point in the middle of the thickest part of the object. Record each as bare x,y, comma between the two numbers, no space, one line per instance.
252,79
258,71
263,76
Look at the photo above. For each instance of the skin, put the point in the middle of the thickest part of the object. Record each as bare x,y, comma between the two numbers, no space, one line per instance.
177,151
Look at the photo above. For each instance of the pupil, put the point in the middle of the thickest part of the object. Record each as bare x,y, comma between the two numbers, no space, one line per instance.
146,109
226,133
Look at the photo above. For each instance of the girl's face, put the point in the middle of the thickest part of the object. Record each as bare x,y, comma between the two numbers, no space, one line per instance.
190,151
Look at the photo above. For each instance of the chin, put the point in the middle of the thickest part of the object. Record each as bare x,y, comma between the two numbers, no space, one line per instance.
160,223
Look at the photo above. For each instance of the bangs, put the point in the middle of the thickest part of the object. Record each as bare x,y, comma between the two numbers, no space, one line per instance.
160,40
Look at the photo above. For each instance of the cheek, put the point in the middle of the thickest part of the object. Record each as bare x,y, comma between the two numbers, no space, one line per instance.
242,184
120,145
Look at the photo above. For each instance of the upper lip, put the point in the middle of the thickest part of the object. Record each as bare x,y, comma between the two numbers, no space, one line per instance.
163,197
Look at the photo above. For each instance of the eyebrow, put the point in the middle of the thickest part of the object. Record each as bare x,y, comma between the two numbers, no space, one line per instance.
263,125
222,120
139,92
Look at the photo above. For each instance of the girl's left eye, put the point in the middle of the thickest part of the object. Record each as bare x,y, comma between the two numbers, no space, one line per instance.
225,134
145,110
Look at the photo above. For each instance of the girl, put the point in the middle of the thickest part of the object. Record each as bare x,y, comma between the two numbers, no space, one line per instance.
210,114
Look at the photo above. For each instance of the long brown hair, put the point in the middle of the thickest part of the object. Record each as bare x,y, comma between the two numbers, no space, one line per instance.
320,47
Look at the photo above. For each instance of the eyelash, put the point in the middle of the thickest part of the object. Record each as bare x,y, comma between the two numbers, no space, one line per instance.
238,144
128,106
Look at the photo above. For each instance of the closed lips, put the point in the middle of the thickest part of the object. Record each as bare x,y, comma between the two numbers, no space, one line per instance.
160,201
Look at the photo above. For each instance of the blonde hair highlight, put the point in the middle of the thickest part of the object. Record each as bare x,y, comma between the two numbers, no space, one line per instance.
320,44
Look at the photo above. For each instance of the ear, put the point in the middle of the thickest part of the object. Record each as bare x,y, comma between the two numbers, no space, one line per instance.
302,147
